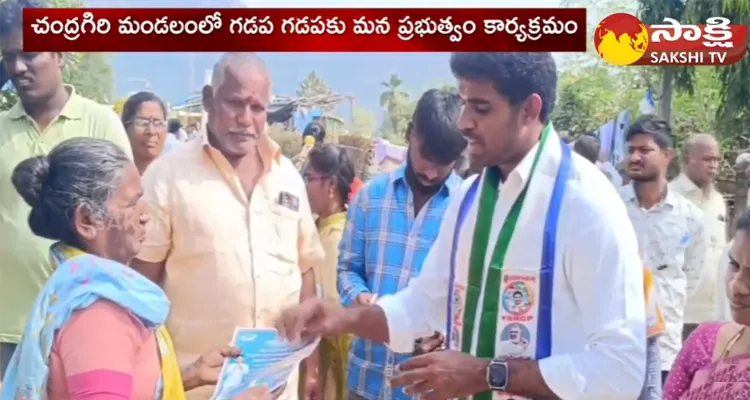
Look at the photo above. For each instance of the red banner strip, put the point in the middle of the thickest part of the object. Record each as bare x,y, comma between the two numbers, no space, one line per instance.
304,30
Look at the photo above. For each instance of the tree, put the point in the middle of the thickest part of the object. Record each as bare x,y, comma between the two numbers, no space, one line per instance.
363,123
589,95
313,85
733,110
395,102
653,12
90,73
696,112
92,76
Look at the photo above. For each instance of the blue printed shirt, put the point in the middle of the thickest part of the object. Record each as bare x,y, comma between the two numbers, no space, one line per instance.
383,246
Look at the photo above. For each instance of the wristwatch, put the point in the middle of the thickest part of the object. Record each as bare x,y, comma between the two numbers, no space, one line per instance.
497,375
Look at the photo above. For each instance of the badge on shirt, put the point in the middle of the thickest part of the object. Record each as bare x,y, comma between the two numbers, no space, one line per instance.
289,201
722,218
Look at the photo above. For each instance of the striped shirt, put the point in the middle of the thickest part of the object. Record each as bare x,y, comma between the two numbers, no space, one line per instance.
383,247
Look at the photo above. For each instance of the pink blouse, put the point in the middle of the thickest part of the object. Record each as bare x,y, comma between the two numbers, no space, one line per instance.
103,353
695,376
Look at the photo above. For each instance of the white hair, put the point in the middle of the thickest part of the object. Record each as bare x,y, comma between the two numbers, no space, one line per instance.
236,59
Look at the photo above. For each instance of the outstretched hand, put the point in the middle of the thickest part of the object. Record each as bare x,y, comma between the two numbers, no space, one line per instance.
312,318
208,366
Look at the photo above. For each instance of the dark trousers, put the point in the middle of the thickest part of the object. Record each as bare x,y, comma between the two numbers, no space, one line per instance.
687,329
654,382
6,353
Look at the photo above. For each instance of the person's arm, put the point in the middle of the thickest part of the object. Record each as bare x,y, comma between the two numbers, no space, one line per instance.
695,256
416,311
113,130
419,310
351,266
151,260
311,254
309,249
606,278
190,377
98,347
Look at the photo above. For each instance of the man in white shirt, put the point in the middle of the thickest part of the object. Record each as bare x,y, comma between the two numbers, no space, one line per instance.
587,326
700,157
671,235
588,147
611,172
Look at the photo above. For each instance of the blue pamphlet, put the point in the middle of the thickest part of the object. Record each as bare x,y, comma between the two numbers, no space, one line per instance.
266,360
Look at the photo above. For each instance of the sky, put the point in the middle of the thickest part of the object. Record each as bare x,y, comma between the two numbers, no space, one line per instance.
357,74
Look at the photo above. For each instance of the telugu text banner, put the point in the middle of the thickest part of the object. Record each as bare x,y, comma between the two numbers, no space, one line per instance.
304,30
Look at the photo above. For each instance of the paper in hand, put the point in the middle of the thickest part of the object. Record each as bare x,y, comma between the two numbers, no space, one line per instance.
266,360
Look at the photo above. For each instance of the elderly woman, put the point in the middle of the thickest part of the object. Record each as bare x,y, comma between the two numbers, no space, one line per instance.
714,362
144,116
96,330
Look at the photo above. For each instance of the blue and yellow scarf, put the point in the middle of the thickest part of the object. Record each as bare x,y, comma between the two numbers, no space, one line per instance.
79,280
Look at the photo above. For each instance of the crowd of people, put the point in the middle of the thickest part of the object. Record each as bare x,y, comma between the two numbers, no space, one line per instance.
131,250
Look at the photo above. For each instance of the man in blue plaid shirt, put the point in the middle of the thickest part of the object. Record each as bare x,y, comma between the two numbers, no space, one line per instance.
391,226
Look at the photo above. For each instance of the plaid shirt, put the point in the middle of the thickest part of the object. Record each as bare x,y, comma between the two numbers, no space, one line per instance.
383,246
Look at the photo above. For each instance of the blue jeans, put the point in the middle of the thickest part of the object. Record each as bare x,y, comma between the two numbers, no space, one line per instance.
652,386
6,352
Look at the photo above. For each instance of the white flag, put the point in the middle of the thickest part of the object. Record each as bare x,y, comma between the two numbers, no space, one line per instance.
647,105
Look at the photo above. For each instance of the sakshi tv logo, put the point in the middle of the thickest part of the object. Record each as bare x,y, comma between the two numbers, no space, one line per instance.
622,39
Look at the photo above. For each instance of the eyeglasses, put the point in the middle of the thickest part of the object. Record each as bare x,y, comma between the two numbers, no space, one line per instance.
144,123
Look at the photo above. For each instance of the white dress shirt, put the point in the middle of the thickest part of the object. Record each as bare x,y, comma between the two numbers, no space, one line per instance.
611,172
701,305
673,244
598,309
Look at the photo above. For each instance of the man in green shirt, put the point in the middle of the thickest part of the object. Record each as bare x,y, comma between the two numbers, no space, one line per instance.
48,113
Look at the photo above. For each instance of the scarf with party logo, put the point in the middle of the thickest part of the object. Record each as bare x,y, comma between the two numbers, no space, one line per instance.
80,279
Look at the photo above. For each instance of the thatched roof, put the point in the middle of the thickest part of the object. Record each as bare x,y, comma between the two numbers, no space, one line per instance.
325,101
282,108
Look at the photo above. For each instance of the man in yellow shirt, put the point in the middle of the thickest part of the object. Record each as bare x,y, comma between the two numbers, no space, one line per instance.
696,183
48,113
231,236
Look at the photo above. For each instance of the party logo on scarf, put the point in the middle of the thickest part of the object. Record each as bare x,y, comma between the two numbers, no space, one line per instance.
518,298
458,301
514,340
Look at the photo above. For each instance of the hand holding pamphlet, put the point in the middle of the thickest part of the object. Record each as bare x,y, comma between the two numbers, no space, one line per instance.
266,360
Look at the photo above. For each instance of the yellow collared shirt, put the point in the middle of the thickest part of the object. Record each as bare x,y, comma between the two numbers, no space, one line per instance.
231,260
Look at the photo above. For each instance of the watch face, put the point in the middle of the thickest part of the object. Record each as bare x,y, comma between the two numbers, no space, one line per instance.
498,375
